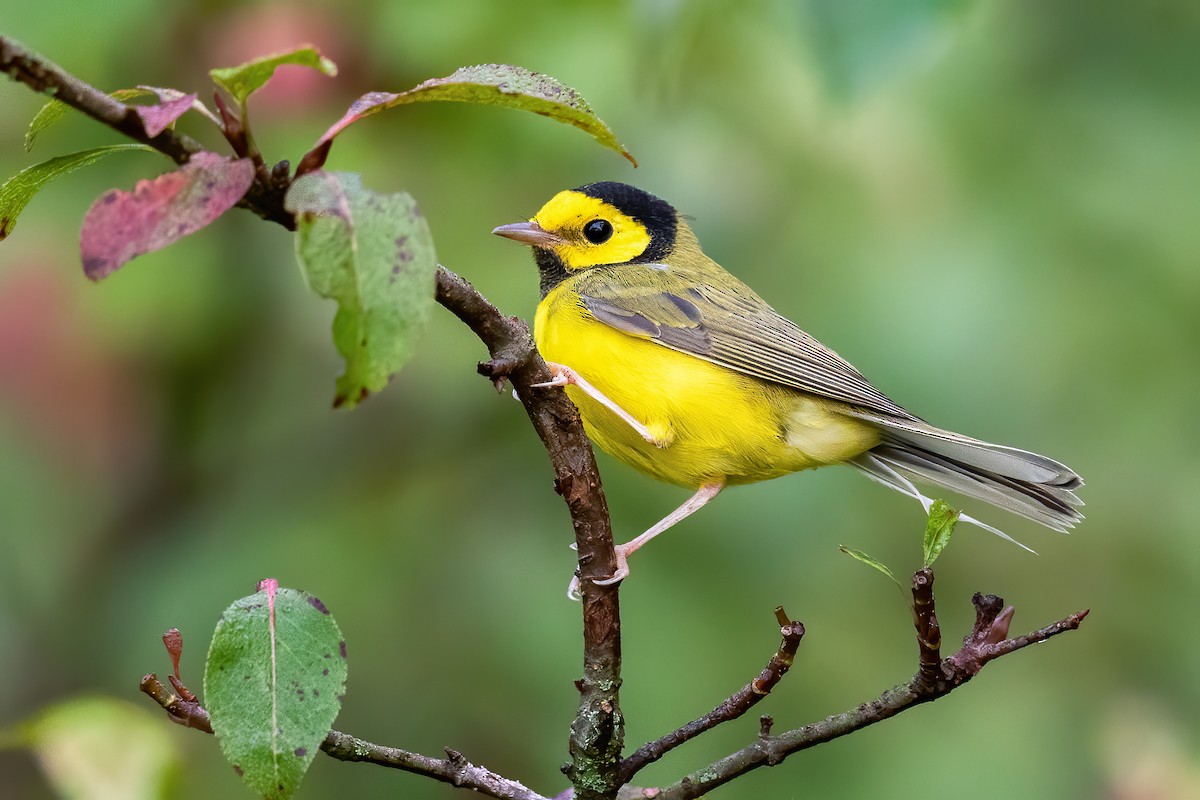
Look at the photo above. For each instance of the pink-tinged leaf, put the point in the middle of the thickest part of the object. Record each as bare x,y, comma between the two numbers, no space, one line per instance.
246,79
156,119
123,225
486,84
370,103
55,110
166,95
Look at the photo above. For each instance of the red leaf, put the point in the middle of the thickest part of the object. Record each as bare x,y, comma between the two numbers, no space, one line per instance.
123,225
368,104
156,119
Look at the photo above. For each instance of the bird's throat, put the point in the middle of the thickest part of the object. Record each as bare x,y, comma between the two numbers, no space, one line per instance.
551,270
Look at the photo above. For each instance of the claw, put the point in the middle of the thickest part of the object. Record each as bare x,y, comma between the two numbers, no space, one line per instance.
622,570
623,551
620,574
617,577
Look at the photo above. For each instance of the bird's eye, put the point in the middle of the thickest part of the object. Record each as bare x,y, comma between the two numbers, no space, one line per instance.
598,231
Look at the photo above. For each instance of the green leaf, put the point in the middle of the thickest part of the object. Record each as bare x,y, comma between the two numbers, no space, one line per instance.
939,529
273,683
46,116
859,555
373,254
516,87
246,79
100,747
486,84
18,190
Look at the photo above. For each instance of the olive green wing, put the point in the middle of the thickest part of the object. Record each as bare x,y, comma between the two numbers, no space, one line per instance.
727,324
713,316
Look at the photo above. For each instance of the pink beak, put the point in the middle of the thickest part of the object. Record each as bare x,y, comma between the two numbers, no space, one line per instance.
529,233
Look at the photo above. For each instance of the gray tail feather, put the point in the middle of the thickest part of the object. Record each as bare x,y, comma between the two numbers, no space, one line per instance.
1027,484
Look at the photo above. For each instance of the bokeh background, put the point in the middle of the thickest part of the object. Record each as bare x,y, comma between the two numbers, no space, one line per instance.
991,208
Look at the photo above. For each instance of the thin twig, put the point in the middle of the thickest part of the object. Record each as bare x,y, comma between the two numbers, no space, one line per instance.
264,198
733,707
188,713
454,769
986,642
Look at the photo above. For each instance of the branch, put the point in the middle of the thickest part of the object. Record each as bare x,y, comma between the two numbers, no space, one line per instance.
733,707
986,641
597,733
454,769
265,196
29,68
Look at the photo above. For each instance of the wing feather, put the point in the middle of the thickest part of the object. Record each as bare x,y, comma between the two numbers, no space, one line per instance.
729,325
711,315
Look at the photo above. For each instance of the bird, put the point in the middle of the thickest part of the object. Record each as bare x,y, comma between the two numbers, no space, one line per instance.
681,371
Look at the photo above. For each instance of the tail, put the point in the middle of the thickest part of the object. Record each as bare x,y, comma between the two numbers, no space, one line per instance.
1030,485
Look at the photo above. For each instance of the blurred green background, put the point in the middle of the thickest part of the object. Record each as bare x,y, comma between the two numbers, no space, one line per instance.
991,208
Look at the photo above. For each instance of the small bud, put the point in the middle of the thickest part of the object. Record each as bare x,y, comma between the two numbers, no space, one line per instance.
173,639
998,632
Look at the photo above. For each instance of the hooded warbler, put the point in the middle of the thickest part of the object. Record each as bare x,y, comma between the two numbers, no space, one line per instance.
681,371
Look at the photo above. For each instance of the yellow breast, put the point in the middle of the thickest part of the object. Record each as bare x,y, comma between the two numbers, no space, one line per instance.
717,424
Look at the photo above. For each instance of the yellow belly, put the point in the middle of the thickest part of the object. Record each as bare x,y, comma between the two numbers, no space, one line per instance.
718,425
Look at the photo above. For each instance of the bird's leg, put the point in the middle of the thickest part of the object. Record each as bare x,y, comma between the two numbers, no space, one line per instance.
564,376
693,504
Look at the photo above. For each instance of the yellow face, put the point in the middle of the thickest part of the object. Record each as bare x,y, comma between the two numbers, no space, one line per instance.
592,231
